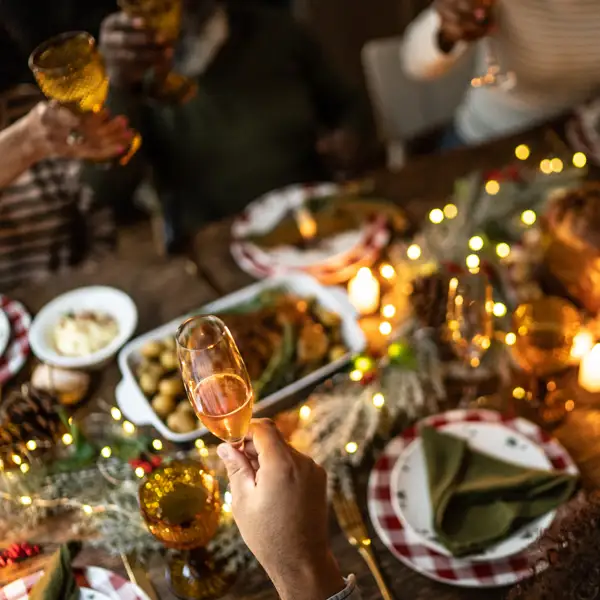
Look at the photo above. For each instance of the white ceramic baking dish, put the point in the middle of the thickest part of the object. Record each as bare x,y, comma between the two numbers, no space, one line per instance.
136,407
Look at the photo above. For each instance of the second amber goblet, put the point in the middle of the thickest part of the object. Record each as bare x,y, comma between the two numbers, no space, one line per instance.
164,18
70,70
181,506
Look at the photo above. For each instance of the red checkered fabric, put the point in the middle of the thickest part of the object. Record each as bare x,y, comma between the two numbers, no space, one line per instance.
407,547
97,579
17,351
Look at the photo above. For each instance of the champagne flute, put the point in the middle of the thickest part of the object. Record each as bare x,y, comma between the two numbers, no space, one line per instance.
494,75
70,69
469,323
180,504
164,18
215,377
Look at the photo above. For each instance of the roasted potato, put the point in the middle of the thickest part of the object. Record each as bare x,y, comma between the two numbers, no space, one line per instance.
149,383
182,422
185,407
173,386
163,405
152,349
168,359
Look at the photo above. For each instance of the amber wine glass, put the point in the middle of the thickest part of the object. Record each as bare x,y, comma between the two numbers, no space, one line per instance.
70,70
164,18
181,506
469,322
215,377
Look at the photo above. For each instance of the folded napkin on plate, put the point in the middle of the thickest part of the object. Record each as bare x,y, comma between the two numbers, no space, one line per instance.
58,581
478,500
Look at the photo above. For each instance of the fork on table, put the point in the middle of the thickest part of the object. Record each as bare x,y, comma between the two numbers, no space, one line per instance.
353,526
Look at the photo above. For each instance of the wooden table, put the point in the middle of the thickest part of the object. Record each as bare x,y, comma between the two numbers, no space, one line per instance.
164,289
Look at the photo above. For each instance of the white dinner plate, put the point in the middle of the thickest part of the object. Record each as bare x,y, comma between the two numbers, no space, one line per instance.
4,331
410,490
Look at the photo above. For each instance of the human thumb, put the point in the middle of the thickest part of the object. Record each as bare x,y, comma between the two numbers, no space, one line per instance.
240,471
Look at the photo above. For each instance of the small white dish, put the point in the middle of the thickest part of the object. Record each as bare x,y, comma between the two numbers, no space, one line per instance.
410,489
102,299
4,332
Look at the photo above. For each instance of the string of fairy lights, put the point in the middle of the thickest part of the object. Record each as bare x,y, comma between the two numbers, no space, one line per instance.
362,364
24,461
476,244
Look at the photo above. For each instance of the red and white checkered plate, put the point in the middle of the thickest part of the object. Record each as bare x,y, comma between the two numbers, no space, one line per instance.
328,266
95,584
17,351
407,546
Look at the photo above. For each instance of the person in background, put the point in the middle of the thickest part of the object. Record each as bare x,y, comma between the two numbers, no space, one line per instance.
48,221
280,507
551,46
268,112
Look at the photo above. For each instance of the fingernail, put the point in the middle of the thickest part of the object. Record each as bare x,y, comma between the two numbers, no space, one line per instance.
121,149
121,120
224,451
138,22
479,14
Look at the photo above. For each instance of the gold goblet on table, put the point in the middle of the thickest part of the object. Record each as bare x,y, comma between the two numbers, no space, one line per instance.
164,18
545,331
70,70
181,506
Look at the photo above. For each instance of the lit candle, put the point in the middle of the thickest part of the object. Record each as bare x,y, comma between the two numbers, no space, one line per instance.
363,290
583,342
589,370
306,223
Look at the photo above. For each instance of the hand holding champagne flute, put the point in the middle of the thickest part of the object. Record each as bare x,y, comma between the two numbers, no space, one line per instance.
215,378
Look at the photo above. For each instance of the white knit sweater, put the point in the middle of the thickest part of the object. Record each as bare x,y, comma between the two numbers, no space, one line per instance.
552,46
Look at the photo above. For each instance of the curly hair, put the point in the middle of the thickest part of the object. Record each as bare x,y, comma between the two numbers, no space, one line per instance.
571,568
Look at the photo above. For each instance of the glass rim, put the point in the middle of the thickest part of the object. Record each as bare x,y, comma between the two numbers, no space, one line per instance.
223,330
67,35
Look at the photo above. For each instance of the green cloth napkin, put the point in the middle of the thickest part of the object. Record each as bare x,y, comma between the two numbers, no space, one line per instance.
58,581
478,500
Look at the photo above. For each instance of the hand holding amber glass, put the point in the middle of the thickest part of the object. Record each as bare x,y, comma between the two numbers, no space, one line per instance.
70,71
215,377
163,19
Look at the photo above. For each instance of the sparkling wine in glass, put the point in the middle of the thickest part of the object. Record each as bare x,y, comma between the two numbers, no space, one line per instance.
70,70
469,322
215,377
163,17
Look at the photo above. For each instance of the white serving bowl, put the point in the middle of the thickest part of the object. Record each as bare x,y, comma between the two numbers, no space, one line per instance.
102,299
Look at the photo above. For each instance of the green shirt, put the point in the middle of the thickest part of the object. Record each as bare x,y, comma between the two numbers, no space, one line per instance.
252,127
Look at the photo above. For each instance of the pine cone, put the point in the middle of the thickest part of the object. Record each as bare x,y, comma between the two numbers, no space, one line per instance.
429,299
28,415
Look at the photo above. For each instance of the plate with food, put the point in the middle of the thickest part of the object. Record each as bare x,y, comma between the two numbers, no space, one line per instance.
290,330
83,328
308,228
